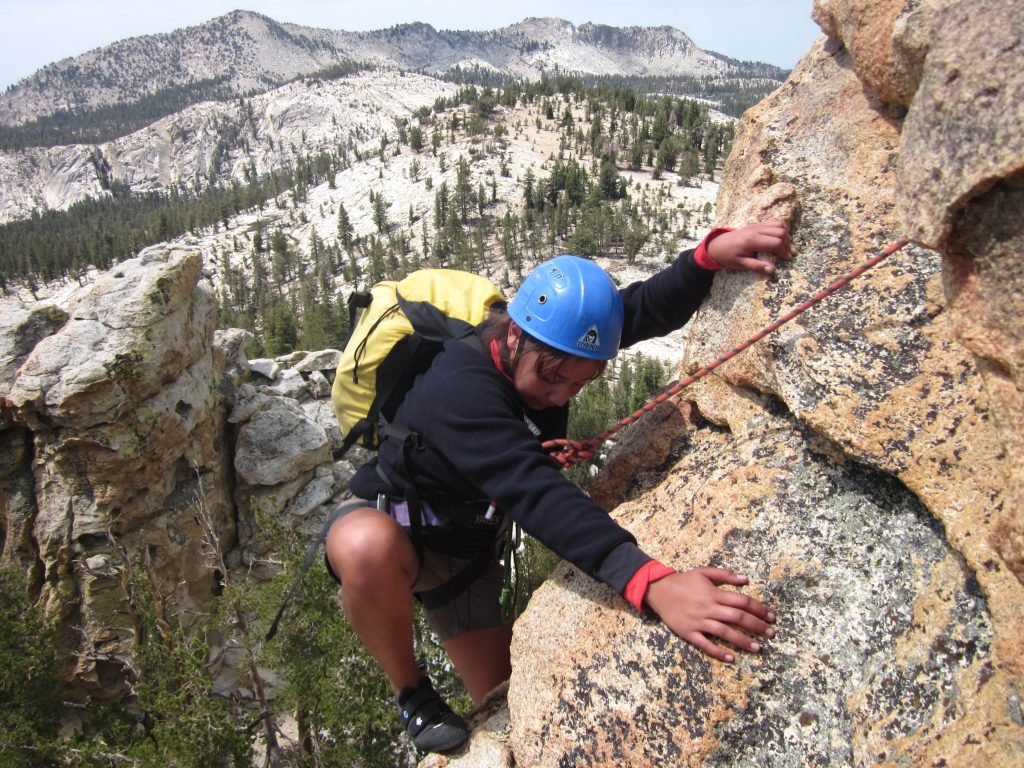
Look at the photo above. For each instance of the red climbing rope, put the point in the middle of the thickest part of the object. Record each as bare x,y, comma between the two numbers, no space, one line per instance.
571,452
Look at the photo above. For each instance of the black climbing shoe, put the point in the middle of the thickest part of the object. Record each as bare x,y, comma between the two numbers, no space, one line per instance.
428,719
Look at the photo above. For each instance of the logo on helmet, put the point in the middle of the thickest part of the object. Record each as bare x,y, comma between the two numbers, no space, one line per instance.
590,340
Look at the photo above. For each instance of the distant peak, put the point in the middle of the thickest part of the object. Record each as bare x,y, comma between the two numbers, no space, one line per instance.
240,14
550,21
415,26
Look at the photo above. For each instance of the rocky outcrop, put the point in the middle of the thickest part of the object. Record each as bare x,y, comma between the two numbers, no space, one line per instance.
46,179
23,328
961,191
862,465
286,431
127,433
131,431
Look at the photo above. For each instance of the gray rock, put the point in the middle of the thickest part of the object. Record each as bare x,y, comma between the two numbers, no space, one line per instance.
232,343
324,360
318,385
322,412
288,383
21,328
265,367
320,490
343,472
279,442
248,400
291,359
127,443
129,333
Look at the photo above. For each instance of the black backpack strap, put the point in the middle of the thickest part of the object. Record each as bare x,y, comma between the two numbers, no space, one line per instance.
410,443
358,431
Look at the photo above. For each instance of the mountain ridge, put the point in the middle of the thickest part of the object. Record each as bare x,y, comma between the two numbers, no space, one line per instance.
243,52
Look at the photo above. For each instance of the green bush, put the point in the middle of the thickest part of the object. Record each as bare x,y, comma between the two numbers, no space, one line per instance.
30,693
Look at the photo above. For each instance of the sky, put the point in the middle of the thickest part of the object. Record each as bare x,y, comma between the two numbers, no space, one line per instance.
34,33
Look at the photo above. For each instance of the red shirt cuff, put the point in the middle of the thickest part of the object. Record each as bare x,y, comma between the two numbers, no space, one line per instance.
636,589
701,255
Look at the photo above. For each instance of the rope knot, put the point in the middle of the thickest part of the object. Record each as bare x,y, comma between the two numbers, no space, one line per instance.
569,453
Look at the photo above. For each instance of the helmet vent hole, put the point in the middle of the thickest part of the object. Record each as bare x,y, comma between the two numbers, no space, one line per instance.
542,299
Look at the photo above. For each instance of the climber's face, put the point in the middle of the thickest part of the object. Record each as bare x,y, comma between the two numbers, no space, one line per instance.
545,380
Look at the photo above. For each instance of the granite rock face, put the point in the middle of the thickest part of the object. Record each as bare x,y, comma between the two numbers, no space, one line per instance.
960,190
124,431
883,628
214,141
862,464
132,432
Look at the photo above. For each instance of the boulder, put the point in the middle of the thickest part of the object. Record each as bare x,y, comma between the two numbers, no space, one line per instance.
882,626
229,352
265,367
128,335
962,135
288,383
324,360
318,385
21,328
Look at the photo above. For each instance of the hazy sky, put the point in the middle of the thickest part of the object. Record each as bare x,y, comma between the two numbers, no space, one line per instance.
34,33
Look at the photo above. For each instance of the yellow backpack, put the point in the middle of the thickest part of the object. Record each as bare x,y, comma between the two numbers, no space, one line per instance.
400,327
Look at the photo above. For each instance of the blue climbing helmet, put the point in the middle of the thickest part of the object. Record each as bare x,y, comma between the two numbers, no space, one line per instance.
571,304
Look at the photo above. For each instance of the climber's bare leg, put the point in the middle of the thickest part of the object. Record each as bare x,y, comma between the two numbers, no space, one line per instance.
377,565
481,657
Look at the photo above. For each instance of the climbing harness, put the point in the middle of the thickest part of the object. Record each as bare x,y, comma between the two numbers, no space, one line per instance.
568,453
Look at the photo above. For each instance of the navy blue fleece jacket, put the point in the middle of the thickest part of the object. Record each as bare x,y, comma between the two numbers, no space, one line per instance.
466,410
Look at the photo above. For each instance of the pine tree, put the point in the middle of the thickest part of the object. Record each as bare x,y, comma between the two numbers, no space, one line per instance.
610,183
281,261
463,190
281,329
415,138
344,228
380,211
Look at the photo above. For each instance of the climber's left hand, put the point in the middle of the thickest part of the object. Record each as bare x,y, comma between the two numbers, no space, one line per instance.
694,606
